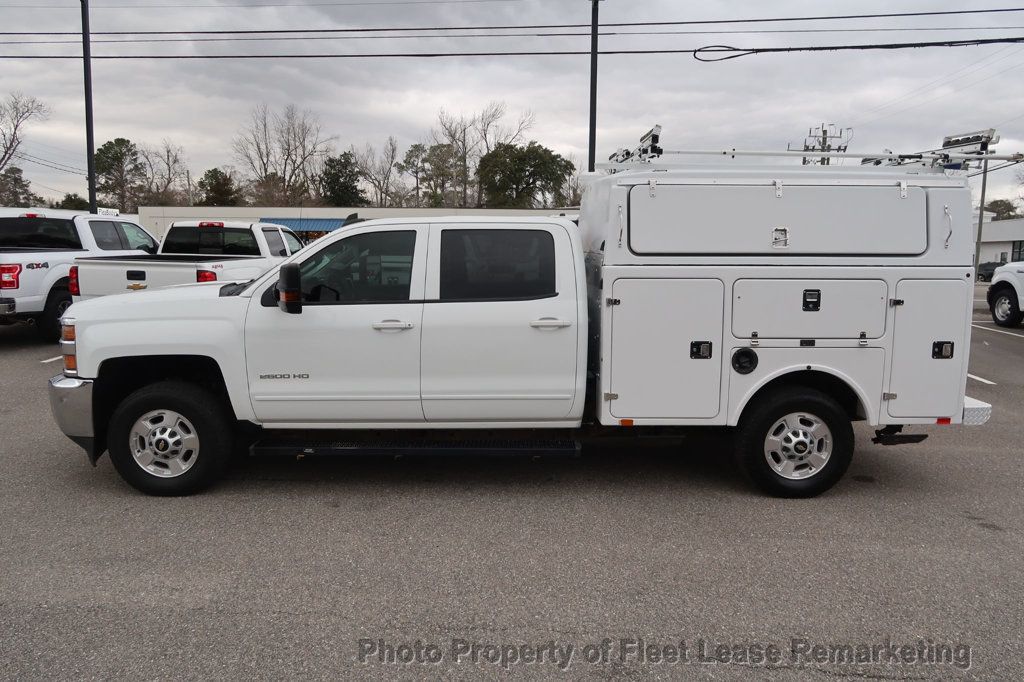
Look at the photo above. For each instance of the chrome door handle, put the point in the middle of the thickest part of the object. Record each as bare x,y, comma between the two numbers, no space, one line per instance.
384,325
550,323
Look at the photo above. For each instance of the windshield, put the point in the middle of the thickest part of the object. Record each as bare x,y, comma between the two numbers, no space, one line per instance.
38,233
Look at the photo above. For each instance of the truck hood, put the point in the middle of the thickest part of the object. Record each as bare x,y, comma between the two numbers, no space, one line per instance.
1010,267
187,301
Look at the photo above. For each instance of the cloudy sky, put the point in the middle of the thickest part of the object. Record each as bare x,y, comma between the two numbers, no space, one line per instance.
905,100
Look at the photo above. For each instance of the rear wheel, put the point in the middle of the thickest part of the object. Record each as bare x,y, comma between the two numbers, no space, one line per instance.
171,438
1006,308
795,442
48,324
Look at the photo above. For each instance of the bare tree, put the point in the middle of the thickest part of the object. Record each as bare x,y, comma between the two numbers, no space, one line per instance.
378,169
457,132
165,172
15,112
491,132
286,148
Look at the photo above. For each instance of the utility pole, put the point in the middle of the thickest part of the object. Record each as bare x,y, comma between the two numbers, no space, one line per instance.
825,138
981,213
90,142
594,29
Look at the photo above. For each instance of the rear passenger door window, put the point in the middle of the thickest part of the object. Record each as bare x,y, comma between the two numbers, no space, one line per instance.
274,241
106,235
496,265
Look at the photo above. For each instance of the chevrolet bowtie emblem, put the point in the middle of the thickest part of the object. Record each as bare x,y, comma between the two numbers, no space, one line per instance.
136,287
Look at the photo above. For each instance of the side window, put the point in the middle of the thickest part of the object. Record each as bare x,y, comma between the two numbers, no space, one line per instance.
497,264
136,238
292,241
274,241
371,267
106,235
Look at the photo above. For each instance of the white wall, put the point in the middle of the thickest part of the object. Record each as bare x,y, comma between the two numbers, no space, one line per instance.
157,218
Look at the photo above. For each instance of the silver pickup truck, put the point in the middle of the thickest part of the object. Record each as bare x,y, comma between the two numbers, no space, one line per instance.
191,251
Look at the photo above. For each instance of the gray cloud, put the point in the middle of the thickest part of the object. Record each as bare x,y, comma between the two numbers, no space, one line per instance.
756,102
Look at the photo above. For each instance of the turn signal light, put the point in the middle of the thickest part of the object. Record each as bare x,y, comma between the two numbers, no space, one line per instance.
290,296
71,364
206,276
67,332
74,288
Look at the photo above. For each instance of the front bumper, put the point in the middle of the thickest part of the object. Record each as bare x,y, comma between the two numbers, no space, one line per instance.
71,403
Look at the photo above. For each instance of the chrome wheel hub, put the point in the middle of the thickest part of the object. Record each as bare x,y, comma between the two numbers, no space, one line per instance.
164,443
1002,308
798,446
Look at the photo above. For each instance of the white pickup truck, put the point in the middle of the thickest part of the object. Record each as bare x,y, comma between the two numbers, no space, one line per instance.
824,295
191,251
37,249
1006,293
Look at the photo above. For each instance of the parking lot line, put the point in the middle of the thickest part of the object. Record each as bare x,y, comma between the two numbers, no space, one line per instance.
997,331
984,381
43,362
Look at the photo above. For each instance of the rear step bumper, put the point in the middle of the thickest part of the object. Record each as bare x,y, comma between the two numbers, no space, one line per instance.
394,448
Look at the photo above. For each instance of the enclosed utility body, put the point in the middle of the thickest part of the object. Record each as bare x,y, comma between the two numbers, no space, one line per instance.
860,274
785,301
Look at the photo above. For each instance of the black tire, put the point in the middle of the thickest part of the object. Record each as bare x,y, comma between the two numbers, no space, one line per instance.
208,416
760,418
1005,308
48,324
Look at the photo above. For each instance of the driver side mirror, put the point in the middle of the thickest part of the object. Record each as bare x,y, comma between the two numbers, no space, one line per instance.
289,289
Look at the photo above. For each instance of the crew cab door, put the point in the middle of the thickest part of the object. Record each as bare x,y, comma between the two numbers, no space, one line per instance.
353,354
500,324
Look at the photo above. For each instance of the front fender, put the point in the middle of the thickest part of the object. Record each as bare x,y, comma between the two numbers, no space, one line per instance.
1014,277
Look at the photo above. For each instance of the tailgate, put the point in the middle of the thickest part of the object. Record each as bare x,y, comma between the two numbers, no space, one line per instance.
105,277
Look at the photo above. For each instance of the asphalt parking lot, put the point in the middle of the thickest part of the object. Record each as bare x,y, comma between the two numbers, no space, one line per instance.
283,569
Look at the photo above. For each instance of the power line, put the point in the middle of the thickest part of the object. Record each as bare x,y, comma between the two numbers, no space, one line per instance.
992,170
47,165
947,78
31,157
942,96
362,3
834,17
512,35
710,53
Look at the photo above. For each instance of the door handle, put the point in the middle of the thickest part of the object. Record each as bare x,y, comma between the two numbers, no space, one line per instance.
550,323
384,325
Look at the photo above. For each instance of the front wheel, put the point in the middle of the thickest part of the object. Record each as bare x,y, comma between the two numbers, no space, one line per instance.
1006,308
795,442
171,438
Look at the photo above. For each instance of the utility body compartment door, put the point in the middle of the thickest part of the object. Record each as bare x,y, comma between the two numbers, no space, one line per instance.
809,308
660,365
930,312
778,220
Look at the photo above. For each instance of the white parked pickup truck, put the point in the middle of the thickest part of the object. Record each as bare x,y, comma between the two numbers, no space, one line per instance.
1006,293
191,251
37,248
824,295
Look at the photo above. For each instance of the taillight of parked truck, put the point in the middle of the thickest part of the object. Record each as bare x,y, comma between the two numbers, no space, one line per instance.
73,287
206,276
9,275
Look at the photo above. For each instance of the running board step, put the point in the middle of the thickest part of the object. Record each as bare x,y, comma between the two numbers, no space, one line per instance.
394,448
